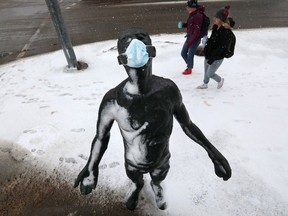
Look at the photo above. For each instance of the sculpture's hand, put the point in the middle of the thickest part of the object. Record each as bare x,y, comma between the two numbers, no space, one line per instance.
222,168
87,180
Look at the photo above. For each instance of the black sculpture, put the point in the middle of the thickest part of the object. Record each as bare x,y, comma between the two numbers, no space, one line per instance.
143,105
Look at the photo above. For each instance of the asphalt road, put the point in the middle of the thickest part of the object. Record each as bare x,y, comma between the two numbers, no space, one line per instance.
26,28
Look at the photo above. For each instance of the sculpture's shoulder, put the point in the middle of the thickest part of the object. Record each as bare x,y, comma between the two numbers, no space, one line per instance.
113,93
164,82
166,86
111,97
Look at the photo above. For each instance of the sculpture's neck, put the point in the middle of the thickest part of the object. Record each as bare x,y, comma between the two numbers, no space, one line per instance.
139,81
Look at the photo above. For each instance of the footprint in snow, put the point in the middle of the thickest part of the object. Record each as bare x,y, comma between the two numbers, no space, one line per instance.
83,157
68,160
66,94
111,165
77,130
114,164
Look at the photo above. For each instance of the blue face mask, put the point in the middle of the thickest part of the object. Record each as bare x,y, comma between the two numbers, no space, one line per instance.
137,54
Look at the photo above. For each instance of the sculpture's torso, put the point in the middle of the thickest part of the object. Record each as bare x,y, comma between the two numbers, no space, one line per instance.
145,122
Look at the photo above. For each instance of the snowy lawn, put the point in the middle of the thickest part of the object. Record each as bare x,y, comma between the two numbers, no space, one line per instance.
50,117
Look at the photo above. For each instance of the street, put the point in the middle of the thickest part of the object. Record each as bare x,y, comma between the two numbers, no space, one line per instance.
26,28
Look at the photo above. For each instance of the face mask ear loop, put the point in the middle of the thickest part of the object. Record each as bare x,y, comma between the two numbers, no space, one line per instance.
151,50
122,59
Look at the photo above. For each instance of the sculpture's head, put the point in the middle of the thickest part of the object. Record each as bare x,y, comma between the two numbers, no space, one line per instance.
135,49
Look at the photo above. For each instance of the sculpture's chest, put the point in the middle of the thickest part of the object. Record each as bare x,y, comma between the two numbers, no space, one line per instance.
153,109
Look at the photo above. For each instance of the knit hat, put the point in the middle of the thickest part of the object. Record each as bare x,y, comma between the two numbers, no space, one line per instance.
223,13
192,3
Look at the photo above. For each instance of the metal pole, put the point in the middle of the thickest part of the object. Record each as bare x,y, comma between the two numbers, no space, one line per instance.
57,18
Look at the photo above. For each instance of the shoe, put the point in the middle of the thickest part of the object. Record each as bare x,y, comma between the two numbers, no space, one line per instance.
203,86
220,84
187,71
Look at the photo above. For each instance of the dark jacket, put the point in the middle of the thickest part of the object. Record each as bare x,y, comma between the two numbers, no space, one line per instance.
220,41
194,23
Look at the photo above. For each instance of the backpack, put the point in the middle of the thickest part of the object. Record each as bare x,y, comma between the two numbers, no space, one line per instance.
231,39
205,25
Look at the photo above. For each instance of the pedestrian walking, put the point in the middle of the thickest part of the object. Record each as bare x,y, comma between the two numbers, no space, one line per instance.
220,45
193,36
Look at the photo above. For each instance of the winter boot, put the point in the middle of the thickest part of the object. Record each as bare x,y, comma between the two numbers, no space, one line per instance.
187,71
220,84
203,86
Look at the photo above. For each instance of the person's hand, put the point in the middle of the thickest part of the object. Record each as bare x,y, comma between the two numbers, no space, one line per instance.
204,40
86,180
222,168
180,24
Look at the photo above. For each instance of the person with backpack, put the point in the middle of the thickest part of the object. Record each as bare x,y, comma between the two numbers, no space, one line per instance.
220,45
193,37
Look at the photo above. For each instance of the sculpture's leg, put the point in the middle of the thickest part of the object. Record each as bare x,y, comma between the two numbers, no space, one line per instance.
159,196
137,179
157,176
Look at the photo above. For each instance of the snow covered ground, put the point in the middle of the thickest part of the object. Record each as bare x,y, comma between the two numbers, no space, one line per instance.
48,118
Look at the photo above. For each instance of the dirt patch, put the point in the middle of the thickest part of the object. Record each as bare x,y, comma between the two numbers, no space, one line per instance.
31,191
